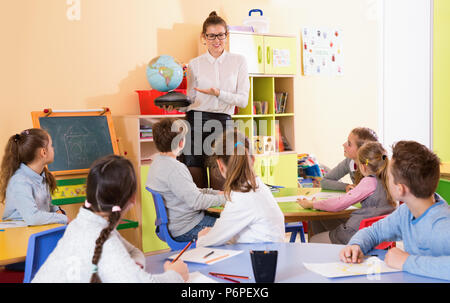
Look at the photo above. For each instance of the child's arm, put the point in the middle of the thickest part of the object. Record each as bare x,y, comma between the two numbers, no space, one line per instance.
331,180
233,220
26,205
135,253
433,266
387,229
364,189
184,188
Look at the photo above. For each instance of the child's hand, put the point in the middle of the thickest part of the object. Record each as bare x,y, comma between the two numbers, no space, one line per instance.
349,187
305,203
351,254
204,231
180,267
395,258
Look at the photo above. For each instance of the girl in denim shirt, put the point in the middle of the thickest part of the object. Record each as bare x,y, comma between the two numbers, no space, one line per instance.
26,183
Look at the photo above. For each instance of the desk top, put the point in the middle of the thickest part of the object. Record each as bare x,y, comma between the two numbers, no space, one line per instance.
293,212
14,242
290,268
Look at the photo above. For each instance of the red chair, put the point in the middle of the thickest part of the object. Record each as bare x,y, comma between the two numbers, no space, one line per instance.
11,276
369,221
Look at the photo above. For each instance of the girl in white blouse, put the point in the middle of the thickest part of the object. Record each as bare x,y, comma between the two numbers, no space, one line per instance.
251,213
217,82
91,249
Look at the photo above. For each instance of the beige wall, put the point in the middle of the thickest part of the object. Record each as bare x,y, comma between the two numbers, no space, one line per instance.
49,61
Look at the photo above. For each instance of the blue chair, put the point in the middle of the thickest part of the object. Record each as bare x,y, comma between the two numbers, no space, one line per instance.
161,223
40,245
294,228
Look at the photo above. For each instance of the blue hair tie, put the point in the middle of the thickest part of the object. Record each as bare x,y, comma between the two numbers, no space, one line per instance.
94,268
237,143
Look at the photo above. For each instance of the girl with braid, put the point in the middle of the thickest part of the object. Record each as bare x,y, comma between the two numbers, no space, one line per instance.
91,249
26,184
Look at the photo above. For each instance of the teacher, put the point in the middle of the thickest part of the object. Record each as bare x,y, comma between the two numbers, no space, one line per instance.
217,82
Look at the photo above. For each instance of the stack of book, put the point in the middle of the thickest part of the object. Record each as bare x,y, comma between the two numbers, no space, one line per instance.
280,102
260,107
146,132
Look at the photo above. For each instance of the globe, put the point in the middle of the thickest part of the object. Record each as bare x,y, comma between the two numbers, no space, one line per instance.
164,73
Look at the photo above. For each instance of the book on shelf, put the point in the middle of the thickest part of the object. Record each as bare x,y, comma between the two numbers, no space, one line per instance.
280,102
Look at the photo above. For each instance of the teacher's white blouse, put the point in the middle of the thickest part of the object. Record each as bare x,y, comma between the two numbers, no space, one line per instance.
228,73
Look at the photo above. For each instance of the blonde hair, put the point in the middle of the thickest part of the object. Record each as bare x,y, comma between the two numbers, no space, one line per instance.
373,155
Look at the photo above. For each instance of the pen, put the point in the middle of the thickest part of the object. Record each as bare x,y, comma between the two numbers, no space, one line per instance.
208,254
181,252
2,230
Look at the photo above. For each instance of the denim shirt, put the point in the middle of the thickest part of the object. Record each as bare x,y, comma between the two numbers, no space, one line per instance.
28,198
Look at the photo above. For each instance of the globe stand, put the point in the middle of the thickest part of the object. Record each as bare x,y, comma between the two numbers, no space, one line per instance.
174,99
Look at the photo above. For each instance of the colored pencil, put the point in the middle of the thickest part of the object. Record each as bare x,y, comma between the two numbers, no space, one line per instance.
215,259
225,278
181,252
228,275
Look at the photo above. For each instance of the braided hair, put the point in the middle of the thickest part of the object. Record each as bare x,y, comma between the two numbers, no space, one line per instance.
111,184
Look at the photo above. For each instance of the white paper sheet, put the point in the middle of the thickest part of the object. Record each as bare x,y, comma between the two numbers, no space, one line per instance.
370,266
197,277
12,224
290,198
196,255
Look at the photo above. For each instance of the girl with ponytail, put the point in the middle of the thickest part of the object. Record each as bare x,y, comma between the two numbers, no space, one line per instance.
371,191
91,249
26,184
251,214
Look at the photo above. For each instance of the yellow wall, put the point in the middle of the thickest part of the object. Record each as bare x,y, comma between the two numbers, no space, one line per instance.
49,61
441,89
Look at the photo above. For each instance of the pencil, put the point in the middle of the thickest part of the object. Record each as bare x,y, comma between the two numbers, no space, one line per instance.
215,259
225,278
228,275
181,252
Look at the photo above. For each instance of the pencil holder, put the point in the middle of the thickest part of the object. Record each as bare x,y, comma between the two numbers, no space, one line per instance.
264,264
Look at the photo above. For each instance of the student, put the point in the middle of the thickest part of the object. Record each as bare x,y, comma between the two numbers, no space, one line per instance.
26,184
252,214
91,248
422,222
371,192
185,203
357,137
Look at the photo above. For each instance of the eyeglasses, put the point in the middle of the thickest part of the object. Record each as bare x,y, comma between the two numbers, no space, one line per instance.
221,36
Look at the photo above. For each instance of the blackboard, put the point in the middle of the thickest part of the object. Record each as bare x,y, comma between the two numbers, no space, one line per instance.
78,140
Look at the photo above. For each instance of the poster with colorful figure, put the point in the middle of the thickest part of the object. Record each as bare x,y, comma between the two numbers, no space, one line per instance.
322,51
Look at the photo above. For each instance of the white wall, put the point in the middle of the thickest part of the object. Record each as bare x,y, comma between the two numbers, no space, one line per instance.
405,94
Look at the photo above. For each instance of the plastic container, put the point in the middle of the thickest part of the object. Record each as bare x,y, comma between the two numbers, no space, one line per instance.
148,107
260,23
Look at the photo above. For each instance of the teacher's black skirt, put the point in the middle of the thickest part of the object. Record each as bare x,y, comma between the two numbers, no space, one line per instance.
202,126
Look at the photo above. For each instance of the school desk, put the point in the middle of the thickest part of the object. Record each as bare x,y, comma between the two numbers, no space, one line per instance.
14,242
295,213
290,268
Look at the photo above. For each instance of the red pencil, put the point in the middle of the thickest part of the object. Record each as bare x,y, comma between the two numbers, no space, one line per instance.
225,278
228,275
181,252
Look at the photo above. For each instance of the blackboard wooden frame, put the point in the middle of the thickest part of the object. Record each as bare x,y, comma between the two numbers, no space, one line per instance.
36,115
